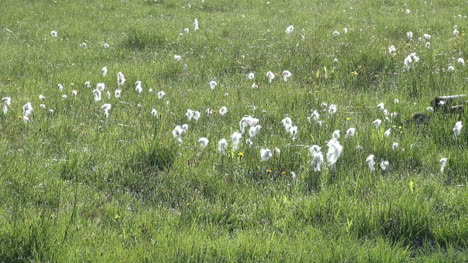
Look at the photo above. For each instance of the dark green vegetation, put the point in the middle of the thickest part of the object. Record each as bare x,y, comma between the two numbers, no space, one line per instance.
77,186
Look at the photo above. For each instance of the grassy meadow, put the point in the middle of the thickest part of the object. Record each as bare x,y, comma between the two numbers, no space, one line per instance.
88,176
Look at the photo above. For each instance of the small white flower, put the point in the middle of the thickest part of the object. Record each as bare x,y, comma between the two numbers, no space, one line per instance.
384,165
450,68
53,33
407,11
289,29
161,94
377,123
154,112
83,45
265,154
251,75
203,142
213,84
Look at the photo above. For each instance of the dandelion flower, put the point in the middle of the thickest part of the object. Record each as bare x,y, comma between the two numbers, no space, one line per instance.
265,154
370,162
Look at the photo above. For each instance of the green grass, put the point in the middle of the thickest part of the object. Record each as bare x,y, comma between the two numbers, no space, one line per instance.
77,186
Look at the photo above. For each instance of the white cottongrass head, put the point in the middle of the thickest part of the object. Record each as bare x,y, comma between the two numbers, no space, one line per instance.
74,92
336,135
253,131
60,87
289,29
64,97
410,60
154,112
450,68
118,93
286,75
223,111
457,129
392,50
27,109
334,152
409,35
101,87
106,108
97,95
443,163
395,146
265,154
377,123
381,106
384,165
350,133
332,109
370,162
203,142
251,75
407,11
427,36
235,138
222,146
120,79
213,84
138,86
461,61
247,122
161,94
178,131
317,157
104,71
335,33
53,33
387,132
196,25
270,75
455,32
